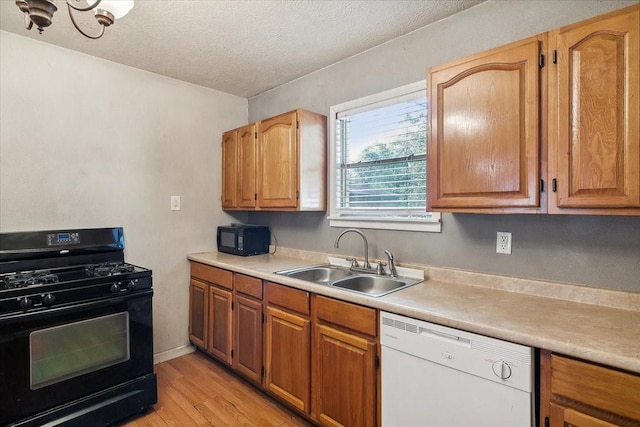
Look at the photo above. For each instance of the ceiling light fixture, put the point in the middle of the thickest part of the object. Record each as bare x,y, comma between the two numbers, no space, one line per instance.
40,12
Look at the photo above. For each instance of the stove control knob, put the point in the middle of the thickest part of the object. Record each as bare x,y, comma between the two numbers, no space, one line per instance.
115,287
26,303
132,285
501,369
48,299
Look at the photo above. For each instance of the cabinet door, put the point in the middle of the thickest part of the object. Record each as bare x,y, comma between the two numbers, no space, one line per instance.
229,169
344,378
278,162
247,167
198,313
484,150
219,344
595,102
287,360
567,417
247,337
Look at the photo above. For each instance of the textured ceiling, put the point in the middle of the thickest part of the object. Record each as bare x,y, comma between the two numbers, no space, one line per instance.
240,47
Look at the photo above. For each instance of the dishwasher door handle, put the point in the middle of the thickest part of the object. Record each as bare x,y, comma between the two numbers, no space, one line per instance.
444,336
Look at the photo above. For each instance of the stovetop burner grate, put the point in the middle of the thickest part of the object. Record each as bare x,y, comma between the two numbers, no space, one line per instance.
108,269
28,278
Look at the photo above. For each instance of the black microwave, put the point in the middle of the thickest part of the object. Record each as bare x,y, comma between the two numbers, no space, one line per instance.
243,239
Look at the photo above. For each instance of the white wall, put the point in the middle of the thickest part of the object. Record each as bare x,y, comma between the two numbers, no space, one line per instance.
601,251
86,142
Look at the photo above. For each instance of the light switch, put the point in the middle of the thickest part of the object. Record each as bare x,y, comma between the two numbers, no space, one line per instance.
175,203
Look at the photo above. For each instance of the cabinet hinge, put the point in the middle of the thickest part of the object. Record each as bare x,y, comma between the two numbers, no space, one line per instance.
541,61
546,421
377,362
262,372
232,305
255,135
297,195
542,185
232,353
555,56
554,185
297,124
255,196
263,320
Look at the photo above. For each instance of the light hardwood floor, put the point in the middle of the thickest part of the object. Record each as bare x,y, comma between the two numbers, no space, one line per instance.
195,391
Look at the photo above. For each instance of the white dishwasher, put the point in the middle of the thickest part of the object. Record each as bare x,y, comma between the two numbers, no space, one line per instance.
434,376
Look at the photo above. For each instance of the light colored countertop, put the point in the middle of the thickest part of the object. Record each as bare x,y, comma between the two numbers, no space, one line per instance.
588,323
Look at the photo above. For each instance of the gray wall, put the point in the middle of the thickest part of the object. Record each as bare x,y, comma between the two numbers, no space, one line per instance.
601,251
86,142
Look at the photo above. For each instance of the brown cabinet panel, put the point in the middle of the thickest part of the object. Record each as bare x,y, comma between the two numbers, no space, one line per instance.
198,313
248,285
220,318
247,337
229,169
581,394
287,358
278,162
350,316
344,380
212,274
595,99
484,147
289,298
247,150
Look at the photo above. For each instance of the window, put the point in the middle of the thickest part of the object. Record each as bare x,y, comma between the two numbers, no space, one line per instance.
378,164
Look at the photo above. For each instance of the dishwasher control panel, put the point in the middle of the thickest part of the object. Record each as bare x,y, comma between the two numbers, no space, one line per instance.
489,358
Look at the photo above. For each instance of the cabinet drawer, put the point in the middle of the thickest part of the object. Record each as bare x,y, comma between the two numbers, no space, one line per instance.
283,296
351,316
248,285
211,274
600,387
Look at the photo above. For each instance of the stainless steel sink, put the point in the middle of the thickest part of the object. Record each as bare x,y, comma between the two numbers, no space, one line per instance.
343,278
320,274
374,285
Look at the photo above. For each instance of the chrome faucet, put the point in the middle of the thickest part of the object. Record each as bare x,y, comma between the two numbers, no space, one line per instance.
392,267
366,246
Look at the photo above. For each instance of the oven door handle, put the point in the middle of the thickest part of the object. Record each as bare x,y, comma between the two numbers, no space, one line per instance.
75,306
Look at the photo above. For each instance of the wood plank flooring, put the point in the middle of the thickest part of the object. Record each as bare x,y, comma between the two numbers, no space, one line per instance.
195,391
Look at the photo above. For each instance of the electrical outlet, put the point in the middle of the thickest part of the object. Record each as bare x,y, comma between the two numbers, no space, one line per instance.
175,203
503,243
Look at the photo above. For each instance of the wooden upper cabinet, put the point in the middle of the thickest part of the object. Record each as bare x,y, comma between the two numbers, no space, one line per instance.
484,146
278,162
594,142
246,189
229,169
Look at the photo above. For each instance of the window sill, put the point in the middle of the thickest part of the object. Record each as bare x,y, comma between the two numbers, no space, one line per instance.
433,225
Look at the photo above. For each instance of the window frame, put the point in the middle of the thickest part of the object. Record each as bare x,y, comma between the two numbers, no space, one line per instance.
433,223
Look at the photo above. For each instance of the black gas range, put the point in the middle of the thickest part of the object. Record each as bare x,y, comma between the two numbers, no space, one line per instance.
76,333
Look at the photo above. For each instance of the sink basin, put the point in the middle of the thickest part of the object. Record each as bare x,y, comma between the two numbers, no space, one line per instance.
320,274
373,285
343,278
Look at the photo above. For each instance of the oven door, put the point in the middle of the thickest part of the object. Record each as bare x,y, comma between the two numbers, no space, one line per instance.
61,355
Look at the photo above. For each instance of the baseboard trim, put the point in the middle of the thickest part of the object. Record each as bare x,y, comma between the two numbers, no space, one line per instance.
173,353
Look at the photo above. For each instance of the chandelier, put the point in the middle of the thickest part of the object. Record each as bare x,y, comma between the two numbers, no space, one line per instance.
40,12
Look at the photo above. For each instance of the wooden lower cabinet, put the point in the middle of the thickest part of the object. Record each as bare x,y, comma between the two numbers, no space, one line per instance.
344,372
247,335
287,334
220,320
576,393
198,312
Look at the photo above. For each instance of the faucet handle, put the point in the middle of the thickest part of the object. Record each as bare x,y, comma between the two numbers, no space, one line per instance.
380,268
354,261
